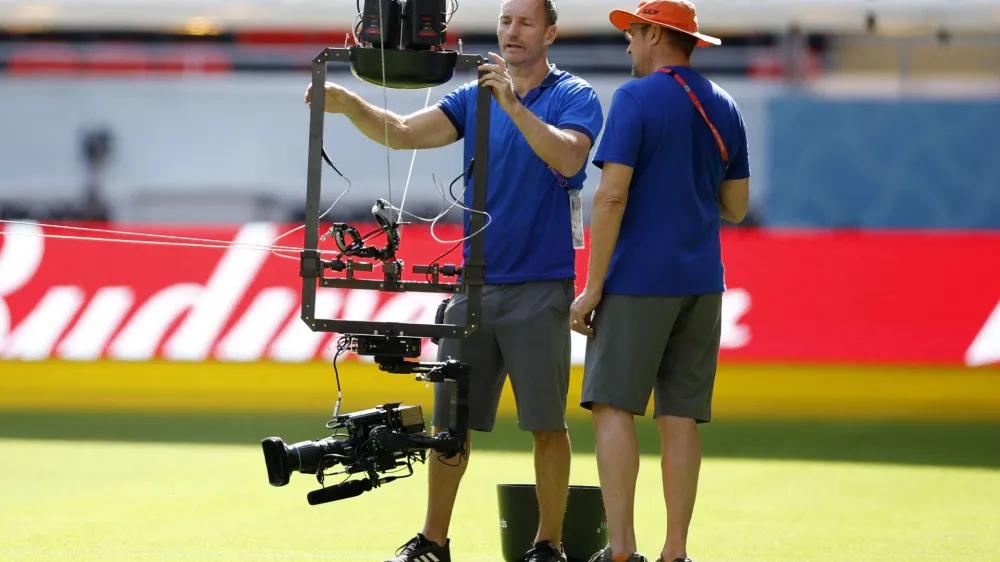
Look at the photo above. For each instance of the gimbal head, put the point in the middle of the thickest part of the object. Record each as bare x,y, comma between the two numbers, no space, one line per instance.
355,247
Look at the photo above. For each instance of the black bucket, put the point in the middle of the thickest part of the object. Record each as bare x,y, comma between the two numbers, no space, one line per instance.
585,527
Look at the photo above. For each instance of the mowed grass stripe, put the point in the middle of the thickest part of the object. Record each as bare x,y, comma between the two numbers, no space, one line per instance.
127,501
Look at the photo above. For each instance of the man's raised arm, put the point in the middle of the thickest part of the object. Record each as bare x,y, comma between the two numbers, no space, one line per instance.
562,147
427,128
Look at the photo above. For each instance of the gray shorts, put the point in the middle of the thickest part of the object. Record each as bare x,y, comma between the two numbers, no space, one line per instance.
665,346
524,333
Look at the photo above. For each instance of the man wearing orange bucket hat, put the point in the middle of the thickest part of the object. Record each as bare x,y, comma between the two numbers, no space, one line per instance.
675,162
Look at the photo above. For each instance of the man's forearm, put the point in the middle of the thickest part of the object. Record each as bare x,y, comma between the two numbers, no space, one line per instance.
372,122
554,147
605,224
730,216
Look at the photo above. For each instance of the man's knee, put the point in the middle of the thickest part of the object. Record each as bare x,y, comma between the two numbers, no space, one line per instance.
545,437
610,419
601,411
668,422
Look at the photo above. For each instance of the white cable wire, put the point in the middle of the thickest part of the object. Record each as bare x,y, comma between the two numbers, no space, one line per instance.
147,242
213,242
330,208
455,203
385,100
413,159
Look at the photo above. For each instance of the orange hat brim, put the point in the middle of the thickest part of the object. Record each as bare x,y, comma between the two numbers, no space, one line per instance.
622,20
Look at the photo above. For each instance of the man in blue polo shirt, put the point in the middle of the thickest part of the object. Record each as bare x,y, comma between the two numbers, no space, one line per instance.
543,124
674,163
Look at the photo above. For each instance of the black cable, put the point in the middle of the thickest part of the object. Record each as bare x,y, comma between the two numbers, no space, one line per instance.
342,343
328,161
466,175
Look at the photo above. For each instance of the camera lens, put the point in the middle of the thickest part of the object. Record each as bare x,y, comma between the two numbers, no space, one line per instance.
304,456
276,457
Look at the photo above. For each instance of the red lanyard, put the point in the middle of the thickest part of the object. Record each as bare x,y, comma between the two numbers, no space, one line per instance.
697,105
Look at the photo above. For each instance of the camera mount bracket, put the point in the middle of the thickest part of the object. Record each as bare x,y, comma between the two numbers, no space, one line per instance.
449,442
395,355
313,268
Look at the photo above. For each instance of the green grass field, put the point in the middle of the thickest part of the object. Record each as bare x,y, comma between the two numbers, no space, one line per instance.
193,487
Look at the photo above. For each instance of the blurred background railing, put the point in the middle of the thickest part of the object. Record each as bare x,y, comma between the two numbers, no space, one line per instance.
861,114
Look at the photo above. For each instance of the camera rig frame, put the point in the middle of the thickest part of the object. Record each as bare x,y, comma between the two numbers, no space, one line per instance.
313,268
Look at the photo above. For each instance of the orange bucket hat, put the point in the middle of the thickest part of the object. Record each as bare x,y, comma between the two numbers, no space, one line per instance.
678,15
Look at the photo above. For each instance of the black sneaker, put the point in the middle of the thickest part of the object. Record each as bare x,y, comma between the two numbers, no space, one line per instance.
544,551
660,559
419,549
604,555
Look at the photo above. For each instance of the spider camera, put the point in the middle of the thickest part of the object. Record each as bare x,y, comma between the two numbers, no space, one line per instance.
400,46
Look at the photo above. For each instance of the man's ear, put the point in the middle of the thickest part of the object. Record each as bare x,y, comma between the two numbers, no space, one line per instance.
550,35
656,34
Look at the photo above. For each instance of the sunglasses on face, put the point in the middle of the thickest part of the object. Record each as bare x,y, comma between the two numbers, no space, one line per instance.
629,33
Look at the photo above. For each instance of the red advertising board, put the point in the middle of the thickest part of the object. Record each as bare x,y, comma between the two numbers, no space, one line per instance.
794,297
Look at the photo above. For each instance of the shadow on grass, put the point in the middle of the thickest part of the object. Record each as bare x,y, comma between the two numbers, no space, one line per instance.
915,443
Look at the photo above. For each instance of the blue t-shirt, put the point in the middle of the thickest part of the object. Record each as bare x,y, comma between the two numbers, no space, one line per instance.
529,236
669,243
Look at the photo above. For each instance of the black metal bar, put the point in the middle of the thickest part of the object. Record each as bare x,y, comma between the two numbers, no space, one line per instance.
474,270
314,177
391,328
403,286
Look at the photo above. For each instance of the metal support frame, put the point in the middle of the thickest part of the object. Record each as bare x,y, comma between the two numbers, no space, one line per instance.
312,267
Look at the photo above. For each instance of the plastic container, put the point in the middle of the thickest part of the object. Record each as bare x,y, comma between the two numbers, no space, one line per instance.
585,527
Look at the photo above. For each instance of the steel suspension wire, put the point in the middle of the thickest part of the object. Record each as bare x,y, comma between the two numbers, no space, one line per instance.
171,240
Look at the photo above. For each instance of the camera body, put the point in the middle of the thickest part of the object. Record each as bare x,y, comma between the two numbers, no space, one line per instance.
380,439
367,445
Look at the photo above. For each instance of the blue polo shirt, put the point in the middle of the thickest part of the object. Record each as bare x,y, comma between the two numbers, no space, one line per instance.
669,240
529,236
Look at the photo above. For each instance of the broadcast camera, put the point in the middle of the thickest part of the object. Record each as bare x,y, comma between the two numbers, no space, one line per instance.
400,44
380,439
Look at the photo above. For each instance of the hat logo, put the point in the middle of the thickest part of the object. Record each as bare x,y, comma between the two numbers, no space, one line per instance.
650,11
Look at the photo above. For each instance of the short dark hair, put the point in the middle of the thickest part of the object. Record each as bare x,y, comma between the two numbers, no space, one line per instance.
683,42
551,13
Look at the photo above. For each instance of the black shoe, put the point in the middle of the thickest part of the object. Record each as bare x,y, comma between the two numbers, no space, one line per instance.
419,549
675,560
604,555
544,551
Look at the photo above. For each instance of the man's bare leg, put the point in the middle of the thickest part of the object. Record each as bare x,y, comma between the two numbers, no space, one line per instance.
444,477
618,469
681,464
552,464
